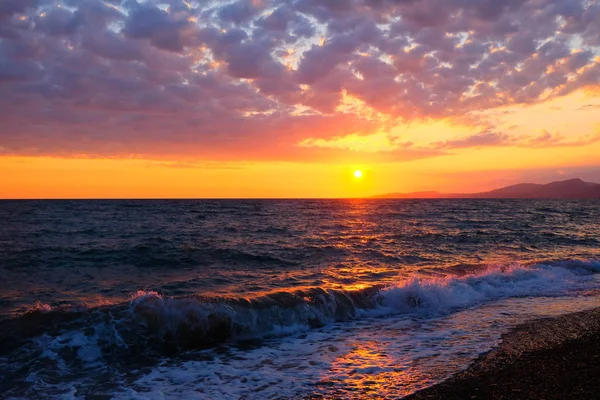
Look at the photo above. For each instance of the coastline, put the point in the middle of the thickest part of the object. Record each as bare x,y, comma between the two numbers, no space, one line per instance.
549,358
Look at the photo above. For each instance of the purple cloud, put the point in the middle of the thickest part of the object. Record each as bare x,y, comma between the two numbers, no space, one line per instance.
500,139
143,78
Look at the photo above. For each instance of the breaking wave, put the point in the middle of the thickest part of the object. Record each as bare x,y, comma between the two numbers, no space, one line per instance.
152,322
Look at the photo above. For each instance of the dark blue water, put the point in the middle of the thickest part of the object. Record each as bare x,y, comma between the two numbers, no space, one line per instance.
86,285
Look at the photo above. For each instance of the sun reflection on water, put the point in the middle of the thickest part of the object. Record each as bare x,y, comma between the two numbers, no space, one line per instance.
368,369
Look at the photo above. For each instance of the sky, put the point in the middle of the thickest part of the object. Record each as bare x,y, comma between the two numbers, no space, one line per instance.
288,98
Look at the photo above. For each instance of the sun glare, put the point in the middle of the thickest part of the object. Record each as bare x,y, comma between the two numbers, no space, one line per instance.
358,174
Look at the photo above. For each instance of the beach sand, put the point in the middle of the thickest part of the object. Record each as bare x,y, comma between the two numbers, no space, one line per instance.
551,358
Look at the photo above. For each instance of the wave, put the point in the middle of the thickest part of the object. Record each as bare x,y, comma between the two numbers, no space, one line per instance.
152,322
446,294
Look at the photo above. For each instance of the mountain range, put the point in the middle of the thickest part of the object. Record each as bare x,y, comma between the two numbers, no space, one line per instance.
568,189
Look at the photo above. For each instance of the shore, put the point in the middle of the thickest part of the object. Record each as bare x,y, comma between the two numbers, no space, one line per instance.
551,358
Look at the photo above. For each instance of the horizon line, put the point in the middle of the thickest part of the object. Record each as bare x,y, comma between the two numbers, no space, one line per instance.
375,197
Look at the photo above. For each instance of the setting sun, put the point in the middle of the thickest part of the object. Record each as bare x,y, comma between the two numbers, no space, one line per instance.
358,174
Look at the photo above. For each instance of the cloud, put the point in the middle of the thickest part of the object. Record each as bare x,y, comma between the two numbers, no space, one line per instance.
165,30
251,79
500,139
546,139
239,11
482,139
589,107
10,7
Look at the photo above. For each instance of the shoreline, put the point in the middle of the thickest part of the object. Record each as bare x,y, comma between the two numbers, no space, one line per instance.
549,358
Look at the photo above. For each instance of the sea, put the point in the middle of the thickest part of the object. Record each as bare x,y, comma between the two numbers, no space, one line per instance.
277,299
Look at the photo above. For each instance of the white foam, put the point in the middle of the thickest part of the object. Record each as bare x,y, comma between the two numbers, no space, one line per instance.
420,331
430,295
377,357
445,294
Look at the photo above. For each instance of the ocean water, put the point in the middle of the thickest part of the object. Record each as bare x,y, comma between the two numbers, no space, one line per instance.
277,299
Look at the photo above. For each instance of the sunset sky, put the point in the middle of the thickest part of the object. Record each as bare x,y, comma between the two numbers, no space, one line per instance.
288,98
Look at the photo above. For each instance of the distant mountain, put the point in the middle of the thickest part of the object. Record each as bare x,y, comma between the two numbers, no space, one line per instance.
569,189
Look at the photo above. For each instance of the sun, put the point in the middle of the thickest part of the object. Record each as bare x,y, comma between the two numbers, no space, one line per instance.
358,174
